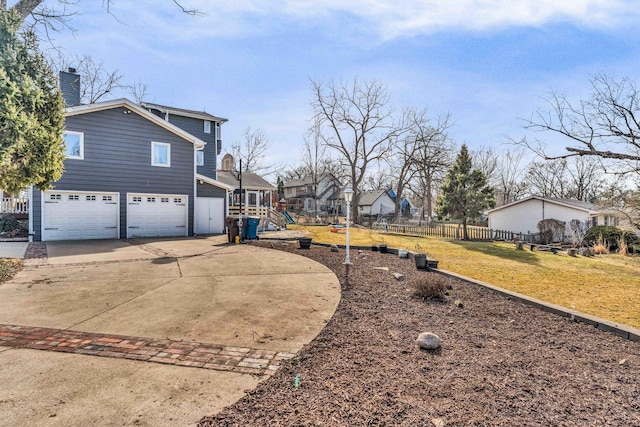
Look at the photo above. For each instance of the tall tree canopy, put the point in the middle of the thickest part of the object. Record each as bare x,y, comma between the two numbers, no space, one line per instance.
464,193
32,149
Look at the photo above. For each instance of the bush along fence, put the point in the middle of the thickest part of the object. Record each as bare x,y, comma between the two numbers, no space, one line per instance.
453,231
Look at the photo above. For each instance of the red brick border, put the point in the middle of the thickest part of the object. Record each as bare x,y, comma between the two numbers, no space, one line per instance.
172,352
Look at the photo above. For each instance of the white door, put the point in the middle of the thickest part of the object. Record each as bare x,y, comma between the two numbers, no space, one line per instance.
209,215
157,215
71,215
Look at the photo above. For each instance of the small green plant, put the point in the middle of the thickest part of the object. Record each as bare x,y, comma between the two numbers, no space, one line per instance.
432,286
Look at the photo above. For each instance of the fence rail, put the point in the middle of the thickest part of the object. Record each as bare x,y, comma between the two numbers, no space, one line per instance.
452,231
16,205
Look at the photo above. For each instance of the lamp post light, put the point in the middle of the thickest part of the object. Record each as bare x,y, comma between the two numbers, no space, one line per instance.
348,196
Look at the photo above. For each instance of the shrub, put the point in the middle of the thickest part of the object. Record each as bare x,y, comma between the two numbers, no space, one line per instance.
8,223
623,247
432,286
611,235
551,230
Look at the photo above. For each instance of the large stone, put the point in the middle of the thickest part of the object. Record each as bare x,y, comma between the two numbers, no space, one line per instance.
428,341
334,248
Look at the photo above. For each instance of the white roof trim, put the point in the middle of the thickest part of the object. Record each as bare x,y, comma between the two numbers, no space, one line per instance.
555,202
123,102
214,182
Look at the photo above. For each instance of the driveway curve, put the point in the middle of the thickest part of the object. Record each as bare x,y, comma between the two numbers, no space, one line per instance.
188,294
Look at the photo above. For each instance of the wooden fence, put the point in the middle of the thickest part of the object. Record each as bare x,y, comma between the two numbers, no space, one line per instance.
452,231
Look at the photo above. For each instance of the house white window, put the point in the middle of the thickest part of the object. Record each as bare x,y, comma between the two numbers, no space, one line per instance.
74,142
160,154
200,158
207,126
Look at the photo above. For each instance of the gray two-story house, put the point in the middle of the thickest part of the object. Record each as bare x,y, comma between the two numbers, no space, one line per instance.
133,171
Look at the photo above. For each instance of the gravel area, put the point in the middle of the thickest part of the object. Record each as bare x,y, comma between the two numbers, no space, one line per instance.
502,363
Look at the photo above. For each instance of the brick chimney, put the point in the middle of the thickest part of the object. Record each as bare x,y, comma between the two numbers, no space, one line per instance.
70,87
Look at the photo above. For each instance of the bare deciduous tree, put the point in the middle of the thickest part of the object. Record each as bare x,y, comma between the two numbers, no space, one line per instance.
356,122
96,82
432,159
509,183
139,92
252,151
607,125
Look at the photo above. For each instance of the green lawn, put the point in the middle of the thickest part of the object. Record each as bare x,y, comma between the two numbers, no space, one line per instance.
606,286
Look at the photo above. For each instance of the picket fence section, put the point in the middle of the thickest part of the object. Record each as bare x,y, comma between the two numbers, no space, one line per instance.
453,231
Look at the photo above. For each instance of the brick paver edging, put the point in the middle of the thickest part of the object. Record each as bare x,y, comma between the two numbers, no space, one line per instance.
172,352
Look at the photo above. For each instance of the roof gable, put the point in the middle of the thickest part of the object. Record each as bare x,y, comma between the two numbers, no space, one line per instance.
194,114
129,105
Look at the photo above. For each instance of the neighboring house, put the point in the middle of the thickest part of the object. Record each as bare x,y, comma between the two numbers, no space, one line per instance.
376,203
256,194
299,193
522,216
132,172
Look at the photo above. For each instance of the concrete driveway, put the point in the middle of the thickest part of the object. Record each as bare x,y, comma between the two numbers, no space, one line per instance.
251,306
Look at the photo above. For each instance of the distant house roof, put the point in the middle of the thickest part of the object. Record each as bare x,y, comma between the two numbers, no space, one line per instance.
576,204
368,198
250,181
307,180
132,107
183,112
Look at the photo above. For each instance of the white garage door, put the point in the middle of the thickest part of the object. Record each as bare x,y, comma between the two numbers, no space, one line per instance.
156,215
69,215
209,215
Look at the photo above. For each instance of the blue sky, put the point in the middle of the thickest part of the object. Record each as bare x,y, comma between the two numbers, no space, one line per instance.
486,62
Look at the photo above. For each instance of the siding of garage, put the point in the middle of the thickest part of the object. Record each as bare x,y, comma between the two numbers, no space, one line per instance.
117,158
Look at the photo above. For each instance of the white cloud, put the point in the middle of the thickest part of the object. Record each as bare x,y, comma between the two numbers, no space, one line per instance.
390,18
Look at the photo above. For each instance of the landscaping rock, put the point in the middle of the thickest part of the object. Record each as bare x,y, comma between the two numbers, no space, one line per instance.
334,248
458,303
399,277
428,341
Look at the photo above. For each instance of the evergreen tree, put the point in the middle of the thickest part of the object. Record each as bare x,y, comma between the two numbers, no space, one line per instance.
32,149
465,192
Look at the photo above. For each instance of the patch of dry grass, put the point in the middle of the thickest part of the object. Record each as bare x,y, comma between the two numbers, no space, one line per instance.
8,268
606,286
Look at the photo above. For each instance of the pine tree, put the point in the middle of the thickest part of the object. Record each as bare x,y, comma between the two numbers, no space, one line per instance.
32,148
465,192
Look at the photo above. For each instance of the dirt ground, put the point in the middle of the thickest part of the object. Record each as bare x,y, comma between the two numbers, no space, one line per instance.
502,363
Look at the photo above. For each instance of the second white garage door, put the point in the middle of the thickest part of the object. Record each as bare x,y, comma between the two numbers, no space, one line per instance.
157,215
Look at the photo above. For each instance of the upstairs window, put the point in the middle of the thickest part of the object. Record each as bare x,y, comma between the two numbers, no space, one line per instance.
200,158
161,154
74,143
207,126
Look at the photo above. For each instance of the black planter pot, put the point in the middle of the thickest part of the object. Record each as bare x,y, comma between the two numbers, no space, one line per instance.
382,248
304,242
421,261
374,248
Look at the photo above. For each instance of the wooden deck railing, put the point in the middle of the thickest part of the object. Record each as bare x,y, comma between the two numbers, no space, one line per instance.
14,206
249,210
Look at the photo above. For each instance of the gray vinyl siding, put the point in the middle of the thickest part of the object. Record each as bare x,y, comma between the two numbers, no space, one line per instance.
196,128
208,190
117,158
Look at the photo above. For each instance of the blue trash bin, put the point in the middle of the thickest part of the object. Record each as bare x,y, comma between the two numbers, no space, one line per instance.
250,227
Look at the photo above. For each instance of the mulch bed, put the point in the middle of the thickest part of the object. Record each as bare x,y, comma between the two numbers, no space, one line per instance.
502,363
